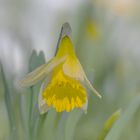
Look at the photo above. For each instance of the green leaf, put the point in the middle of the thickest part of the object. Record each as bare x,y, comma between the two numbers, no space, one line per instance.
49,127
124,119
108,125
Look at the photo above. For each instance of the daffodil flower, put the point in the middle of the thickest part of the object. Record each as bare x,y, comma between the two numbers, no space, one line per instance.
65,89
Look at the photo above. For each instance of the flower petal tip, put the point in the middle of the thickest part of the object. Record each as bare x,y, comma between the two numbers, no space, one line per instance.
66,29
100,96
43,109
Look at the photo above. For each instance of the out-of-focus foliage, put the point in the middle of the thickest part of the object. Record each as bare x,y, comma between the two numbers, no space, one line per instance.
108,125
106,38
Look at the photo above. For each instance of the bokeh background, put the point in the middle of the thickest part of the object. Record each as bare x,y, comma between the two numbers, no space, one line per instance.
106,36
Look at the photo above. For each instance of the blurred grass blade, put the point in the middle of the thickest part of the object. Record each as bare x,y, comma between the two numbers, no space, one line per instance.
9,105
38,130
49,129
108,125
67,125
60,134
71,124
124,119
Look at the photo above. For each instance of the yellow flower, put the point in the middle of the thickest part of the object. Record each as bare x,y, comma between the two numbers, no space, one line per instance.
65,88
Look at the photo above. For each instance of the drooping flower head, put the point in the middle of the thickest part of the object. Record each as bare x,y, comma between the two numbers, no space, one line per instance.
66,87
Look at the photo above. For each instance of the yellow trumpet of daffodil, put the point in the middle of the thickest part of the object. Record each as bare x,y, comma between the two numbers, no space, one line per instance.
65,88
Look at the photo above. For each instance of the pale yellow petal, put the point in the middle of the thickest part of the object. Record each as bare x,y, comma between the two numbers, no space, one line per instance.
85,106
88,82
73,69
92,88
43,107
41,72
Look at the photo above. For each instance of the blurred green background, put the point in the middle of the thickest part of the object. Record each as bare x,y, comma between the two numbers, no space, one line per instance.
106,36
